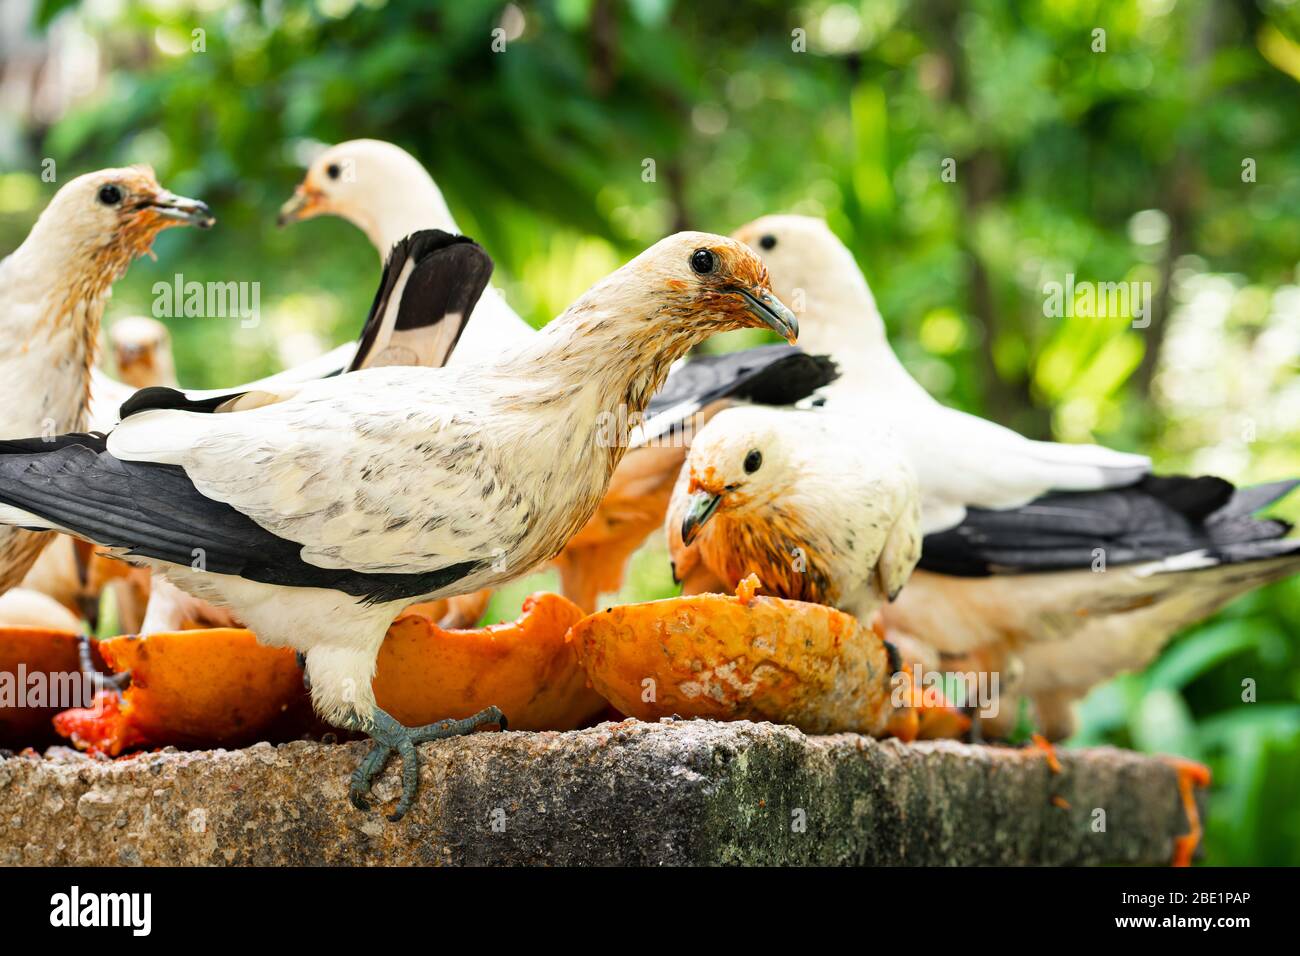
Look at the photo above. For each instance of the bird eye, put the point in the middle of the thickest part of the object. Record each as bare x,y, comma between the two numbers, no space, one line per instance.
753,461
332,170
110,195
703,261
768,242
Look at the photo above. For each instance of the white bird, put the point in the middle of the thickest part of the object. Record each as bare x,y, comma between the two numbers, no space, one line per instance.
818,507
53,289
318,517
386,192
1017,531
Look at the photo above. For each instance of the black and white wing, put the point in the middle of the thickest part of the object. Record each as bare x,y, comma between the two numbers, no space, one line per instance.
431,282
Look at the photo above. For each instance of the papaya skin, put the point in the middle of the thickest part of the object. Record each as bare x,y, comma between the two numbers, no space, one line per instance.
740,658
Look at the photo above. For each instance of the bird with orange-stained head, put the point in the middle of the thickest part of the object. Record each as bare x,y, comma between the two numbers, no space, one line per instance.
53,289
818,510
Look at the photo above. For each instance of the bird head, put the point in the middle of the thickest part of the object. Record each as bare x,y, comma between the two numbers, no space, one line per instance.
739,465
703,283
378,187
142,351
815,273
107,218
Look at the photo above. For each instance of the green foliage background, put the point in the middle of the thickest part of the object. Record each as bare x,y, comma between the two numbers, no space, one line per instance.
1122,164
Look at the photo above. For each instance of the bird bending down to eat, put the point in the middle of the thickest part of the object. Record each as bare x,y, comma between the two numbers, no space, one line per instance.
318,517
385,191
1058,564
53,289
818,508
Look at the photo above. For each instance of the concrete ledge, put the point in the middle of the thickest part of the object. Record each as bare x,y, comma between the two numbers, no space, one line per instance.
683,792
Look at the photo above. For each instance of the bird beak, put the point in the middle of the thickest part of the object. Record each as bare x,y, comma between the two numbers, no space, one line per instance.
771,311
303,204
699,510
189,212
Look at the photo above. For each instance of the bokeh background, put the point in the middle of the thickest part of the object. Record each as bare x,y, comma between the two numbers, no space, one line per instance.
1128,164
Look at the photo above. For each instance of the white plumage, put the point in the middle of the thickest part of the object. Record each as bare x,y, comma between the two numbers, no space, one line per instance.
358,495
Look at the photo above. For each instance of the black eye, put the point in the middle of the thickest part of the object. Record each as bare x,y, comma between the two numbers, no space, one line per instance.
332,170
703,261
753,461
768,242
110,195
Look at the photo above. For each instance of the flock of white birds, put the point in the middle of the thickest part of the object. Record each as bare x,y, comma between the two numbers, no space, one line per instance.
452,448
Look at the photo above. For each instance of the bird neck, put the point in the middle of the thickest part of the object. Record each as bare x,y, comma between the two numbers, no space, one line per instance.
410,201
594,369
841,319
71,284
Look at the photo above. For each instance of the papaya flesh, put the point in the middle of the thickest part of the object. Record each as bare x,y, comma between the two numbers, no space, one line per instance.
739,658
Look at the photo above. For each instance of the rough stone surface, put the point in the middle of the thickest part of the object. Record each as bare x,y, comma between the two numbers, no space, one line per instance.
675,792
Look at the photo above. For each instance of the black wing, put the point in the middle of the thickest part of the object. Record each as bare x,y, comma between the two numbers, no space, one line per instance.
154,511
768,375
1155,518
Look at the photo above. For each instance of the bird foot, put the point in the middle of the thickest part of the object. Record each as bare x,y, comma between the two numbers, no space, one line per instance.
391,737
117,683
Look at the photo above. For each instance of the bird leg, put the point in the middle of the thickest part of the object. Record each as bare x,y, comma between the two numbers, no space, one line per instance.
117,683
391,737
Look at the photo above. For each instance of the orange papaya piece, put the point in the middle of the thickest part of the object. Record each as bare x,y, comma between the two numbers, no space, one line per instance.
525,667
739,658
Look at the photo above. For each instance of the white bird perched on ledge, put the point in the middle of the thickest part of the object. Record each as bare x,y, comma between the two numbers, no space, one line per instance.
53,289
319,517
1015,529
